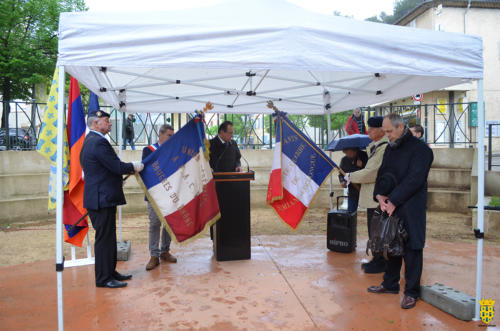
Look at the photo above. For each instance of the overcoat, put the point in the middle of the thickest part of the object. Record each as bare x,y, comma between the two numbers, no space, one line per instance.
402,177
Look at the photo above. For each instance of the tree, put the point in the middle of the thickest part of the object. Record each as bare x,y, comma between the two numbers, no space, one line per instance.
28,45
401,8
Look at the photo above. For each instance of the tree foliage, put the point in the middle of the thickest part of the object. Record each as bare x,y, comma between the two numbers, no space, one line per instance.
401,8
28,43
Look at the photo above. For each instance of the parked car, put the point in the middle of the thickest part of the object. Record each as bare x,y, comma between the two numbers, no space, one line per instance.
19,139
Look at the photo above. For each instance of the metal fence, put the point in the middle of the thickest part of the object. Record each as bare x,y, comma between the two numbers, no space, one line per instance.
493,131
450,125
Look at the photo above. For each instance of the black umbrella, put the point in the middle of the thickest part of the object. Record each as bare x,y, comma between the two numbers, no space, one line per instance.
353,141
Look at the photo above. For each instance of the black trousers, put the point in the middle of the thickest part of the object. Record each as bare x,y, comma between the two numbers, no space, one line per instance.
104,223
413,271
369,215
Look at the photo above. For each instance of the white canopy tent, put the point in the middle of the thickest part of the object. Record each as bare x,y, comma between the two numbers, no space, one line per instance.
240,54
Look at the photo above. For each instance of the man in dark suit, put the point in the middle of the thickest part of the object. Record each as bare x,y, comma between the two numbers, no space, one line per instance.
166,131
401,189
224,152
103,191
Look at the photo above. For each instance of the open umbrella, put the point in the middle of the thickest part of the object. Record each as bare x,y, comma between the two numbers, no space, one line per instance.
352,141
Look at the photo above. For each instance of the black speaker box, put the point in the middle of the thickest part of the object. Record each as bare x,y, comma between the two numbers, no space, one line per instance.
341,231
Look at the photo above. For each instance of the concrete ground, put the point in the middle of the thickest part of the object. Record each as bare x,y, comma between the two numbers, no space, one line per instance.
291,283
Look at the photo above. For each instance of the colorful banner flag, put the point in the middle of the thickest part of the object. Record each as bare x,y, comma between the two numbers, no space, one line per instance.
178,182
47,141
73,198
298,171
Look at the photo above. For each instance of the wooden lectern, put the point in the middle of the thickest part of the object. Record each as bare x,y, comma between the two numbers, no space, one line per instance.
231,233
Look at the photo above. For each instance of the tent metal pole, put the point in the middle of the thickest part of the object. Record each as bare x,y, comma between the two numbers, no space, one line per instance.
59,197
480,194
120,147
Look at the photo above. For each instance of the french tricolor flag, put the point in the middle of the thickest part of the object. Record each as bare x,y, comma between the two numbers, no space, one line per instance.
299,169
178,182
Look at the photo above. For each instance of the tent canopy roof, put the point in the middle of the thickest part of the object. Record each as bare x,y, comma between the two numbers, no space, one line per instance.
239,54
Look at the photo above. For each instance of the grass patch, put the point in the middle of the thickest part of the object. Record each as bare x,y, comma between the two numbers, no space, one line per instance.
494,202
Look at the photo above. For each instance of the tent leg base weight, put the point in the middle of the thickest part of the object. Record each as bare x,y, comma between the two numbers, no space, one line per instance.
123,250
454,302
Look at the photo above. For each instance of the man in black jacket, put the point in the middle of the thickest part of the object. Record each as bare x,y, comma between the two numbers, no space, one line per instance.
103,191
128,132
354,160
224,152
401,189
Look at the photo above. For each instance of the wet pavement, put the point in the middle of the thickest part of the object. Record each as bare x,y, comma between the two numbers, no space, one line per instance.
291,283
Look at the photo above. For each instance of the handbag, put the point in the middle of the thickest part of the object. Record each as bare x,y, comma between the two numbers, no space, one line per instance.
388,235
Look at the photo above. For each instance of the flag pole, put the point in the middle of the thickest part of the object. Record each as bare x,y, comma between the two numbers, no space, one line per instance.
59,197
87,213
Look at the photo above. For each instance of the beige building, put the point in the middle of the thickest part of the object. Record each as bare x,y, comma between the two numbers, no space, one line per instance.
481,18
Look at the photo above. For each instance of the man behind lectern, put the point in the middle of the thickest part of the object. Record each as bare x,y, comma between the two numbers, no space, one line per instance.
224,152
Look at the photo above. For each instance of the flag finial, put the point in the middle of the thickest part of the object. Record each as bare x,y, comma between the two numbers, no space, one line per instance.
271,105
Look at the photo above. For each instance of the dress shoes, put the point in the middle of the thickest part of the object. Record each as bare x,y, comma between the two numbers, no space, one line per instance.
153,263
367,264
121,277
376,266
167,257
112,284
408,302
380,289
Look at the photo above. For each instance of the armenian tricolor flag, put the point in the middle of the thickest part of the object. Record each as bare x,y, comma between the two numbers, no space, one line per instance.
73,198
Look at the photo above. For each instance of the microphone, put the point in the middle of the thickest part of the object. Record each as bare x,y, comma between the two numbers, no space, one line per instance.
248,166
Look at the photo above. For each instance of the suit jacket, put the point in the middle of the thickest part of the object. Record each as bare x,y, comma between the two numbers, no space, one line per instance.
224,157
368,175
103,172
403,178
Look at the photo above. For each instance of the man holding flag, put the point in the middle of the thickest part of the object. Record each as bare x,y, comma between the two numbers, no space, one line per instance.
103,191
166,131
